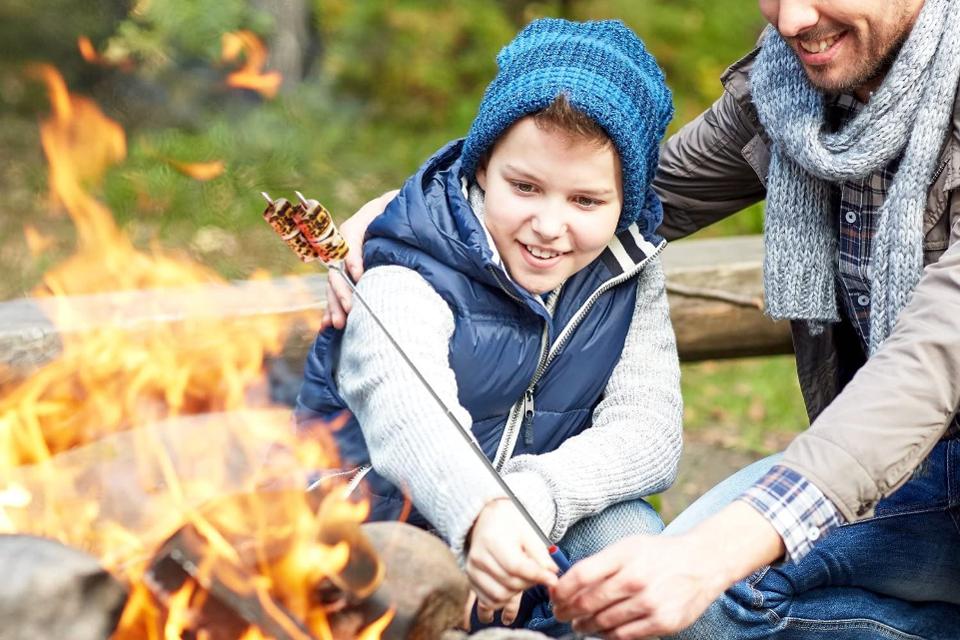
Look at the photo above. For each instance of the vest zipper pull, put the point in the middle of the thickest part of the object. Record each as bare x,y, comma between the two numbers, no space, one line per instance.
528,418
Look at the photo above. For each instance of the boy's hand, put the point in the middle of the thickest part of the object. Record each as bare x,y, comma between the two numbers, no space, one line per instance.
506,557
507,616
339,296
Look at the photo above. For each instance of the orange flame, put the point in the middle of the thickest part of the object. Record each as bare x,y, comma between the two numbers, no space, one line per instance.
90,54
131,436
37,242
251,74
378,626
199,170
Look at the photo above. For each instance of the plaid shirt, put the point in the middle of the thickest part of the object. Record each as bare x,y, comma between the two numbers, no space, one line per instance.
858,203
795,507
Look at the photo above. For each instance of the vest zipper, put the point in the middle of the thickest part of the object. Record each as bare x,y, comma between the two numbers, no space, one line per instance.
525,406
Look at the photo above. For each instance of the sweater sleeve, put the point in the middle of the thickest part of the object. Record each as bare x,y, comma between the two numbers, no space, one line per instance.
633,446
411,441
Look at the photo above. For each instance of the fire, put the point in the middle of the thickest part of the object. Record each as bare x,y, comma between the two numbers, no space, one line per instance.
141,447
199,170
37,242
89,53
251,74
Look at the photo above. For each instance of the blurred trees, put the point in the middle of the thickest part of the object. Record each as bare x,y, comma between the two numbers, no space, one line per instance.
371,88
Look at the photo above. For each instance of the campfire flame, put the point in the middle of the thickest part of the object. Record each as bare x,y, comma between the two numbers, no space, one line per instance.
199,170
90,54
251,75
134,442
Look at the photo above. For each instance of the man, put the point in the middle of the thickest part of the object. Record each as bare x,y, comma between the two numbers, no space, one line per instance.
852,218
847,121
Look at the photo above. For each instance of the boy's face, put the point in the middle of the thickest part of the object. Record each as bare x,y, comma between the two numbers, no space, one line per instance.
552,203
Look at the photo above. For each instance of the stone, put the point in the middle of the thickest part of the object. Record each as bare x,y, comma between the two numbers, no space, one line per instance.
422,581
50,592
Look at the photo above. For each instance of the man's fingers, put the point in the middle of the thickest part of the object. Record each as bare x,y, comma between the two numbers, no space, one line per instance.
354,264
580,590
615,616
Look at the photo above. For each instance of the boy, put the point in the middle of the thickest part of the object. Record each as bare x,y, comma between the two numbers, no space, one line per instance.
518,268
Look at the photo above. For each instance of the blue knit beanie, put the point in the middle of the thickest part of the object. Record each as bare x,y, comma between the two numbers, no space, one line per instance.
605,71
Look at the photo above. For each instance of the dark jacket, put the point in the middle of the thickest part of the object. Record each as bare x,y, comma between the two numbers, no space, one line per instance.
529,379
864,444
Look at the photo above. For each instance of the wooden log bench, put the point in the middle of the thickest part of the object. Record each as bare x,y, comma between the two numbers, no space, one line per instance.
714,288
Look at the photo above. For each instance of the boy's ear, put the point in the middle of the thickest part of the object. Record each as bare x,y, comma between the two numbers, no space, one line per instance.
481,174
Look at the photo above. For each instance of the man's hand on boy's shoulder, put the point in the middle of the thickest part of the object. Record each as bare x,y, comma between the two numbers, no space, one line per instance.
339,295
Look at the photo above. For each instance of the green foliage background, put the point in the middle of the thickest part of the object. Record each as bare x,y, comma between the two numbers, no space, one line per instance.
389,81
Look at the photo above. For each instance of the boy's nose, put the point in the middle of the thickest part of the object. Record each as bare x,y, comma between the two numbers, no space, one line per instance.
549,223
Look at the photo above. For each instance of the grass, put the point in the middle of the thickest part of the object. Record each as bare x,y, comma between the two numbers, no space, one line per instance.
752,404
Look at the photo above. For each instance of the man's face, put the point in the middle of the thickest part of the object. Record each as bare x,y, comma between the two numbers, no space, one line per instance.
845,46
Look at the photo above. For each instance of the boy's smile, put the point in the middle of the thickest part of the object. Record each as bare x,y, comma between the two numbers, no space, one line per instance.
552,202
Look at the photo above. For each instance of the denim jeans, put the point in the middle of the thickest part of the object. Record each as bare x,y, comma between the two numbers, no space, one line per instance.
583,539
896,575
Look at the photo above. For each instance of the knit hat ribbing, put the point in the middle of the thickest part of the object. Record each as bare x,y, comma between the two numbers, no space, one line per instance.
605,71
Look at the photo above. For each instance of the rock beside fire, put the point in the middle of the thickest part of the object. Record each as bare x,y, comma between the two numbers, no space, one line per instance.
422,582
50,591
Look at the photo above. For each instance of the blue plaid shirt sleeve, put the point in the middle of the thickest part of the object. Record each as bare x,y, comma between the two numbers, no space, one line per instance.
795,507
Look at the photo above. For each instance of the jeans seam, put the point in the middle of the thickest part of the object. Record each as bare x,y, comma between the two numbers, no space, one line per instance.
756,594
850,623
952,498
942,505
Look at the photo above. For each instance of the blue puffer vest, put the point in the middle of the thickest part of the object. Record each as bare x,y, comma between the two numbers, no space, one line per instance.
529,380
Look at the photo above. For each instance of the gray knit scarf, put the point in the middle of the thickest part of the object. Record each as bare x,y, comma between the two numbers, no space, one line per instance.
909,113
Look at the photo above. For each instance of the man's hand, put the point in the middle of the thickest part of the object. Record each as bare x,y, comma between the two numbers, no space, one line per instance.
506,557
339,296
648,586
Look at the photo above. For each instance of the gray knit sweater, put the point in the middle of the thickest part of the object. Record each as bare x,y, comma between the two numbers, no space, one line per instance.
631,450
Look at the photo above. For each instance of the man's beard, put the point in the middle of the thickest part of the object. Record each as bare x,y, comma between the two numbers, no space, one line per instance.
871,75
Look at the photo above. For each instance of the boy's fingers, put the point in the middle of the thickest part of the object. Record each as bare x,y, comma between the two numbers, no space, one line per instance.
509,613
484,614
468,609
490,593
486,564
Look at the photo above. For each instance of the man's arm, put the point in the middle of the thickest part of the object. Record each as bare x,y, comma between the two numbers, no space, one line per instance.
868,441
710,169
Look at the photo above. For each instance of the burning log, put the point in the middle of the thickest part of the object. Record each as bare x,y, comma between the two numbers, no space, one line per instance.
51,591
232,605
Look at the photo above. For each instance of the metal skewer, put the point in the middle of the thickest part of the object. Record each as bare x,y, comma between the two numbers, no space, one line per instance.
555,552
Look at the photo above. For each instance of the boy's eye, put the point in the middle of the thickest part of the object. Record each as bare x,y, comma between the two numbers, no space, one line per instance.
523,187
586,202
